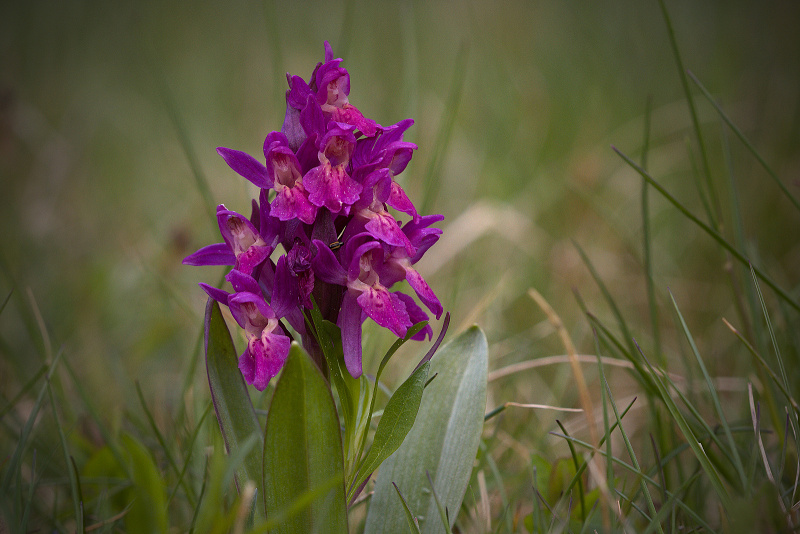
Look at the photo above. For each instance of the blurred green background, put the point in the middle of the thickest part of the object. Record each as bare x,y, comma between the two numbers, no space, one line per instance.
110,110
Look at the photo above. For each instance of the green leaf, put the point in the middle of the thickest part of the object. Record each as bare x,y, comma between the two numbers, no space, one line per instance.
235,414
149,510
303,450
443,441
397,420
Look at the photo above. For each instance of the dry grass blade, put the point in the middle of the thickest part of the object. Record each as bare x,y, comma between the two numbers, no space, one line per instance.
583,390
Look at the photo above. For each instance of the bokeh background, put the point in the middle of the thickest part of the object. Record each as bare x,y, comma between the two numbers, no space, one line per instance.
110,113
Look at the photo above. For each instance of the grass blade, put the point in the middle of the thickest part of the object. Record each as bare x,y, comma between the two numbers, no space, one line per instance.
744,140
714,217
710,231
413,524
689,434
737,461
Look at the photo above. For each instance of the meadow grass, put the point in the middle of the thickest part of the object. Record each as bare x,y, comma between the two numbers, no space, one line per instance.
641,300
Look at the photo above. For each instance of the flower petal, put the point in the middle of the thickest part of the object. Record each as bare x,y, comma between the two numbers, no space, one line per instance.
416,314
424,291
326,266
264,358
216,254
285,292
217,294
350,319
385,309
246,165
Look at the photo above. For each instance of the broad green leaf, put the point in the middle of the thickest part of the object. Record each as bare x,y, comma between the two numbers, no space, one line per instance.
443,441
397,420
303,450
149,510
235,414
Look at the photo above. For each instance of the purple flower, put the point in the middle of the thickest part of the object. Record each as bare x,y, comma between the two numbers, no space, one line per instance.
398,264
333,88
291,199
267,346
329,184
367,295
243,248
333,174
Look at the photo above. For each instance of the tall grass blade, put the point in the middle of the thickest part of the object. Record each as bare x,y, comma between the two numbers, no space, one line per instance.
165,449
13,465
413,525
190,448
646,237
775,345
72,474
629,447
744,140
24,390
200,180
628,467
581,499
710,231
690,436
715,215
734,451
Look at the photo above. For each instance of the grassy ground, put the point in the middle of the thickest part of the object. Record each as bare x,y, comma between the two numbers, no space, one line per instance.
109,117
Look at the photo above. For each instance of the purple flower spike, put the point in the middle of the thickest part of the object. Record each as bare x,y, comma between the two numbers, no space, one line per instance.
333,174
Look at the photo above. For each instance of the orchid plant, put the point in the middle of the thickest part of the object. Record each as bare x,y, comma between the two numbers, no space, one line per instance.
317,257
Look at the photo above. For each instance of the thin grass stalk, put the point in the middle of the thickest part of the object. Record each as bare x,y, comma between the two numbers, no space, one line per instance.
737,461
775,346
13,465
710,231
71,475
603,440
646,239
24,390
190,448
650,505
744,140
628,467
691,439
738,239
715,213
159,436
577,465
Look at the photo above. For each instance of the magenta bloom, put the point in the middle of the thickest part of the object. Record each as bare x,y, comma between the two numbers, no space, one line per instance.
283,168
324,230
243,247
329,184
367,294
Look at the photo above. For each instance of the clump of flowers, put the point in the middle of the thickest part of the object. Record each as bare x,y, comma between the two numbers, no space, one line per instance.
326,183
